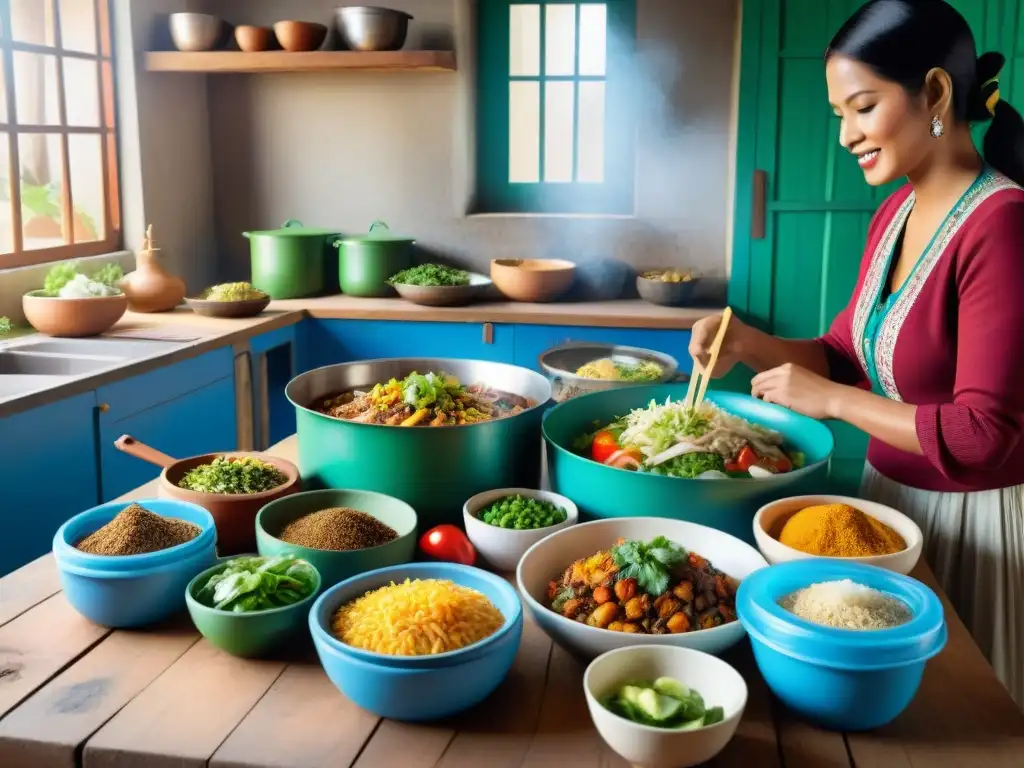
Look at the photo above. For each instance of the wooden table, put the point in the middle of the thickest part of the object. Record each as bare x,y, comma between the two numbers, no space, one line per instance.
73,693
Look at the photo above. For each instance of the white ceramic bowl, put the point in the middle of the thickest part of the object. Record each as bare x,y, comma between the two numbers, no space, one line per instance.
547,560
504,548
648,747
771,517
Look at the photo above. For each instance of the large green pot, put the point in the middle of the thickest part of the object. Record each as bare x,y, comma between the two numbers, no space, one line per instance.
294,261
729,504
365,263
434,469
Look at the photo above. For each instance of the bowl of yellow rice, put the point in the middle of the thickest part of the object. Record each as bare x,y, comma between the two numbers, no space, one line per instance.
420,641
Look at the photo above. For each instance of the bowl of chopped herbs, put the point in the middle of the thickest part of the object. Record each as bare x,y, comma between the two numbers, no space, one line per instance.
251,605
232,486
437,285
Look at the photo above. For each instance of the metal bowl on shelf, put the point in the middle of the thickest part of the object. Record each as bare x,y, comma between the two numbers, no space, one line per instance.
368,28
560,363
195,31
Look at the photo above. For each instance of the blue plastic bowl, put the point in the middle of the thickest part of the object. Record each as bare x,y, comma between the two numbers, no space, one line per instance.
728,504
419,688
843,679
84,523
133,590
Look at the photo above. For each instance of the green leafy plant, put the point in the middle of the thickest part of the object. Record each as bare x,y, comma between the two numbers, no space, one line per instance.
649,563
431,275
5,325
248,584
63,273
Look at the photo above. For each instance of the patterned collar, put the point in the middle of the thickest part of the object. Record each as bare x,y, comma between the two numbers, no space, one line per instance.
989,183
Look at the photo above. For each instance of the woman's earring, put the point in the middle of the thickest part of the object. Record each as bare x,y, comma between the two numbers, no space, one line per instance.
937,128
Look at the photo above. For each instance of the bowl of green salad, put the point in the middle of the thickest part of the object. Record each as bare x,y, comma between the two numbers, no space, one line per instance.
503,523
437,285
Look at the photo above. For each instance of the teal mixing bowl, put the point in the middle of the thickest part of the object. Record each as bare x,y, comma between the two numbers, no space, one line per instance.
727,504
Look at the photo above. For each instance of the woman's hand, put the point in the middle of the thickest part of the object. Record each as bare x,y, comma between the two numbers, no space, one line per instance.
799,390
703,335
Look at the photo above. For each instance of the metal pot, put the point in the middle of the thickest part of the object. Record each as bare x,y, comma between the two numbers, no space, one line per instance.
292,262
434,469
365,263
560,363
366,28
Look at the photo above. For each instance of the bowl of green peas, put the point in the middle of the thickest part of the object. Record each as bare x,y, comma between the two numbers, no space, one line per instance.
502,524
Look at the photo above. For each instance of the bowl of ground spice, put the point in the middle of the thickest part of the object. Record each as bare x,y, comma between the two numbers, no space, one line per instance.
343,533
839,527
127,565
232,486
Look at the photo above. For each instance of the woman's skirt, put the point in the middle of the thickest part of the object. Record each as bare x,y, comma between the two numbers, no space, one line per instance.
974,543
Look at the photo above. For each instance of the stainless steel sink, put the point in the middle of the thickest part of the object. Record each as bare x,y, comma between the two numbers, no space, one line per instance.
125,349
30,364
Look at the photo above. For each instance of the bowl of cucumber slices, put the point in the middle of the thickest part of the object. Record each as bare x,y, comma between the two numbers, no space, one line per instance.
661,706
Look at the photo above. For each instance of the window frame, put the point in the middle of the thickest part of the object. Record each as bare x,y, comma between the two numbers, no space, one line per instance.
12,130
494,192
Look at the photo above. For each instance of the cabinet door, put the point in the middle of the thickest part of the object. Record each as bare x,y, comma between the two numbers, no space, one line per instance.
48,474
343,341
533,340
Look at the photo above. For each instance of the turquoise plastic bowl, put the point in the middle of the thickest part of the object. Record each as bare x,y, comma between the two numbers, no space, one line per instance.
84,523
843,679
728,505
133,590
419,688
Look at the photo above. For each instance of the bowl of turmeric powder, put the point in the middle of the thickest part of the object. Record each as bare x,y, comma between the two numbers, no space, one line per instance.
837,527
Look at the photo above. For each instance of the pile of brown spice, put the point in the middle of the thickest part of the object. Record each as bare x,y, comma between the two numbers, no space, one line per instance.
338,529
135,531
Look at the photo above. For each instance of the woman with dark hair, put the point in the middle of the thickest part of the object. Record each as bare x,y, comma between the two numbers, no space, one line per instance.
928,357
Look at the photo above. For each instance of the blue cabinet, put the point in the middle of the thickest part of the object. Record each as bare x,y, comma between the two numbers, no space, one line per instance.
273,363
531,341
182,410
48,474
342,341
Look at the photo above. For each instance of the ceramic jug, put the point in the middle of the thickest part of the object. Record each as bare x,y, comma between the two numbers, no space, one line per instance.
150,288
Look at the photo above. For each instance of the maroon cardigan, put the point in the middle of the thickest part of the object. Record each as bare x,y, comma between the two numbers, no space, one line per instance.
953,344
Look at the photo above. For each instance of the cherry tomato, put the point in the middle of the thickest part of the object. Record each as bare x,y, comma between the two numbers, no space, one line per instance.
783,464
604,445
448,542
747,458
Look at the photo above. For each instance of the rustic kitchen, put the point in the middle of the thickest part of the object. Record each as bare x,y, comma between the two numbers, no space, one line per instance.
337,349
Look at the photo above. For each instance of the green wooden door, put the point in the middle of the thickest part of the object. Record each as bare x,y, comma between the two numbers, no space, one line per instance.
794,275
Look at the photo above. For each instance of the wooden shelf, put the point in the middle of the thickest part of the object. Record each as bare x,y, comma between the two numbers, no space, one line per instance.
314,61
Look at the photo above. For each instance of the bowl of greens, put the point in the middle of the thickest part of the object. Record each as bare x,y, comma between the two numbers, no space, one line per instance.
74,303
435,285
249,606
664,707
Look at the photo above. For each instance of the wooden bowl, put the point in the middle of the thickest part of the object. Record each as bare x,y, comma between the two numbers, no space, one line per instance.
234,514
296,36
532,280
244,308
72,318
253,39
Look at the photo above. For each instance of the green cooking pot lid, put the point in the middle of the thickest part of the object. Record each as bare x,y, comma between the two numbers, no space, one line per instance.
294,228
379,233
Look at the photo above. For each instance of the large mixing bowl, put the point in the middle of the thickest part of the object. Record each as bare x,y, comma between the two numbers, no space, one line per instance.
434,469
727,504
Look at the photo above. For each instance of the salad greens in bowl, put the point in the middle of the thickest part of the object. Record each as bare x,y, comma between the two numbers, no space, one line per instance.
72,303
437,285
251,605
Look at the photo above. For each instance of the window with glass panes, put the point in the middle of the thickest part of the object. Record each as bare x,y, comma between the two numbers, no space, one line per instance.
554,122
58,145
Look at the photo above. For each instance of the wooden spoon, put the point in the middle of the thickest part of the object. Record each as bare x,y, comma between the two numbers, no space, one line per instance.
133,447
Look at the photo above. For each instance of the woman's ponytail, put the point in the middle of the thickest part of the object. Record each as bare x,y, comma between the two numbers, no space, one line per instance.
1004,140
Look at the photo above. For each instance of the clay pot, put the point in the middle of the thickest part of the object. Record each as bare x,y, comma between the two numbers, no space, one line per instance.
253,39
297,36
72,318
150,288
234,514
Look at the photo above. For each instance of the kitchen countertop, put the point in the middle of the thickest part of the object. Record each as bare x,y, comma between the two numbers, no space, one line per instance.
220,332
72,693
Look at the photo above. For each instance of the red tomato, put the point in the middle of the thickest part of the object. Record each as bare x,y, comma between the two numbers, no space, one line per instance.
747,458
604,445
448,542
783,464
